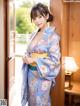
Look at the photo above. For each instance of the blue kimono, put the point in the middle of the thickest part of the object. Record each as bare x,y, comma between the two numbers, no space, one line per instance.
38,82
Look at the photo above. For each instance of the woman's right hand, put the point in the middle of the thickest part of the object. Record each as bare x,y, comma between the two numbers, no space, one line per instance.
24,59
28,60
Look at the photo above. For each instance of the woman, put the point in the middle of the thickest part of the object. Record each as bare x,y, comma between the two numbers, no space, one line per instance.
42,58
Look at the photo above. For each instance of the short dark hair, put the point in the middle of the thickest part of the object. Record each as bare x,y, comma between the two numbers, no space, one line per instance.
42,10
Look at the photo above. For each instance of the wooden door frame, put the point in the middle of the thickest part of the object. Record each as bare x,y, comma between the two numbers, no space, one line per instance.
6,39
5,49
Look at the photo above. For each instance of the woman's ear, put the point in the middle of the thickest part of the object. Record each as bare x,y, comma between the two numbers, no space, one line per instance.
47,16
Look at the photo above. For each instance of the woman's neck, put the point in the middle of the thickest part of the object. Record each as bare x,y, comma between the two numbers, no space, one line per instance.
42,29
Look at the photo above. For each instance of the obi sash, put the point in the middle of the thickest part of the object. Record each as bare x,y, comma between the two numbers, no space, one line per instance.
38,55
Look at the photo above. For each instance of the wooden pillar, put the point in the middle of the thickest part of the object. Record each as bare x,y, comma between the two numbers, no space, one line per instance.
60,12
57,91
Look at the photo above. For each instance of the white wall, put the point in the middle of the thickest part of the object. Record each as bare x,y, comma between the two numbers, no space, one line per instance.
1,51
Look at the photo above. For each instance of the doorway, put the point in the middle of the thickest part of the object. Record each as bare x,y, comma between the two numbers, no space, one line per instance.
19,29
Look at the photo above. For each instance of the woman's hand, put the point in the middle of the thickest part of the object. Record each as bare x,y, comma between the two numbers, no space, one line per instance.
28,60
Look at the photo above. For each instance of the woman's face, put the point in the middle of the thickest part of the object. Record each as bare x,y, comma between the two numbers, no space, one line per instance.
40,21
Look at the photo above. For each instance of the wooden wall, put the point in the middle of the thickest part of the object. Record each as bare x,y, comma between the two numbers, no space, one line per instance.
67,22
74,36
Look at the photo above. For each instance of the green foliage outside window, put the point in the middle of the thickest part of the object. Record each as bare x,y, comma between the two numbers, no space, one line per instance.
23,21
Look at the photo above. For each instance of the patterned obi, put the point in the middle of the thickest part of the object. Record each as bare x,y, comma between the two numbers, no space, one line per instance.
33,66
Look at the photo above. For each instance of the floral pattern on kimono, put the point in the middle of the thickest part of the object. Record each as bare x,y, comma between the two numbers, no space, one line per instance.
48,68
41,80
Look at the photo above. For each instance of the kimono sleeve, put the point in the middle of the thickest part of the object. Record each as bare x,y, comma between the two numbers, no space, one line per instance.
49,67
24,84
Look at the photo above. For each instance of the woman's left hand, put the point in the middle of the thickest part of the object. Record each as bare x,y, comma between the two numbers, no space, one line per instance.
28,60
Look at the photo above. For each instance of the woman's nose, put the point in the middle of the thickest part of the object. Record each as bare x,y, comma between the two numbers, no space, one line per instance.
37,19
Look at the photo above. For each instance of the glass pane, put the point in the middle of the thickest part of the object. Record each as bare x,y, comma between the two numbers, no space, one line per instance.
11,37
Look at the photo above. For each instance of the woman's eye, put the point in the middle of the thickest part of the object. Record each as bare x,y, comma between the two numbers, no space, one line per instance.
40,16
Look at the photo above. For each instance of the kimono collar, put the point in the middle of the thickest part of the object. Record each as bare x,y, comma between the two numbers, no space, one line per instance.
33,35
47,31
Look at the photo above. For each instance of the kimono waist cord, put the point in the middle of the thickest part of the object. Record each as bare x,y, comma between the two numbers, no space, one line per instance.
33,68
38,55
